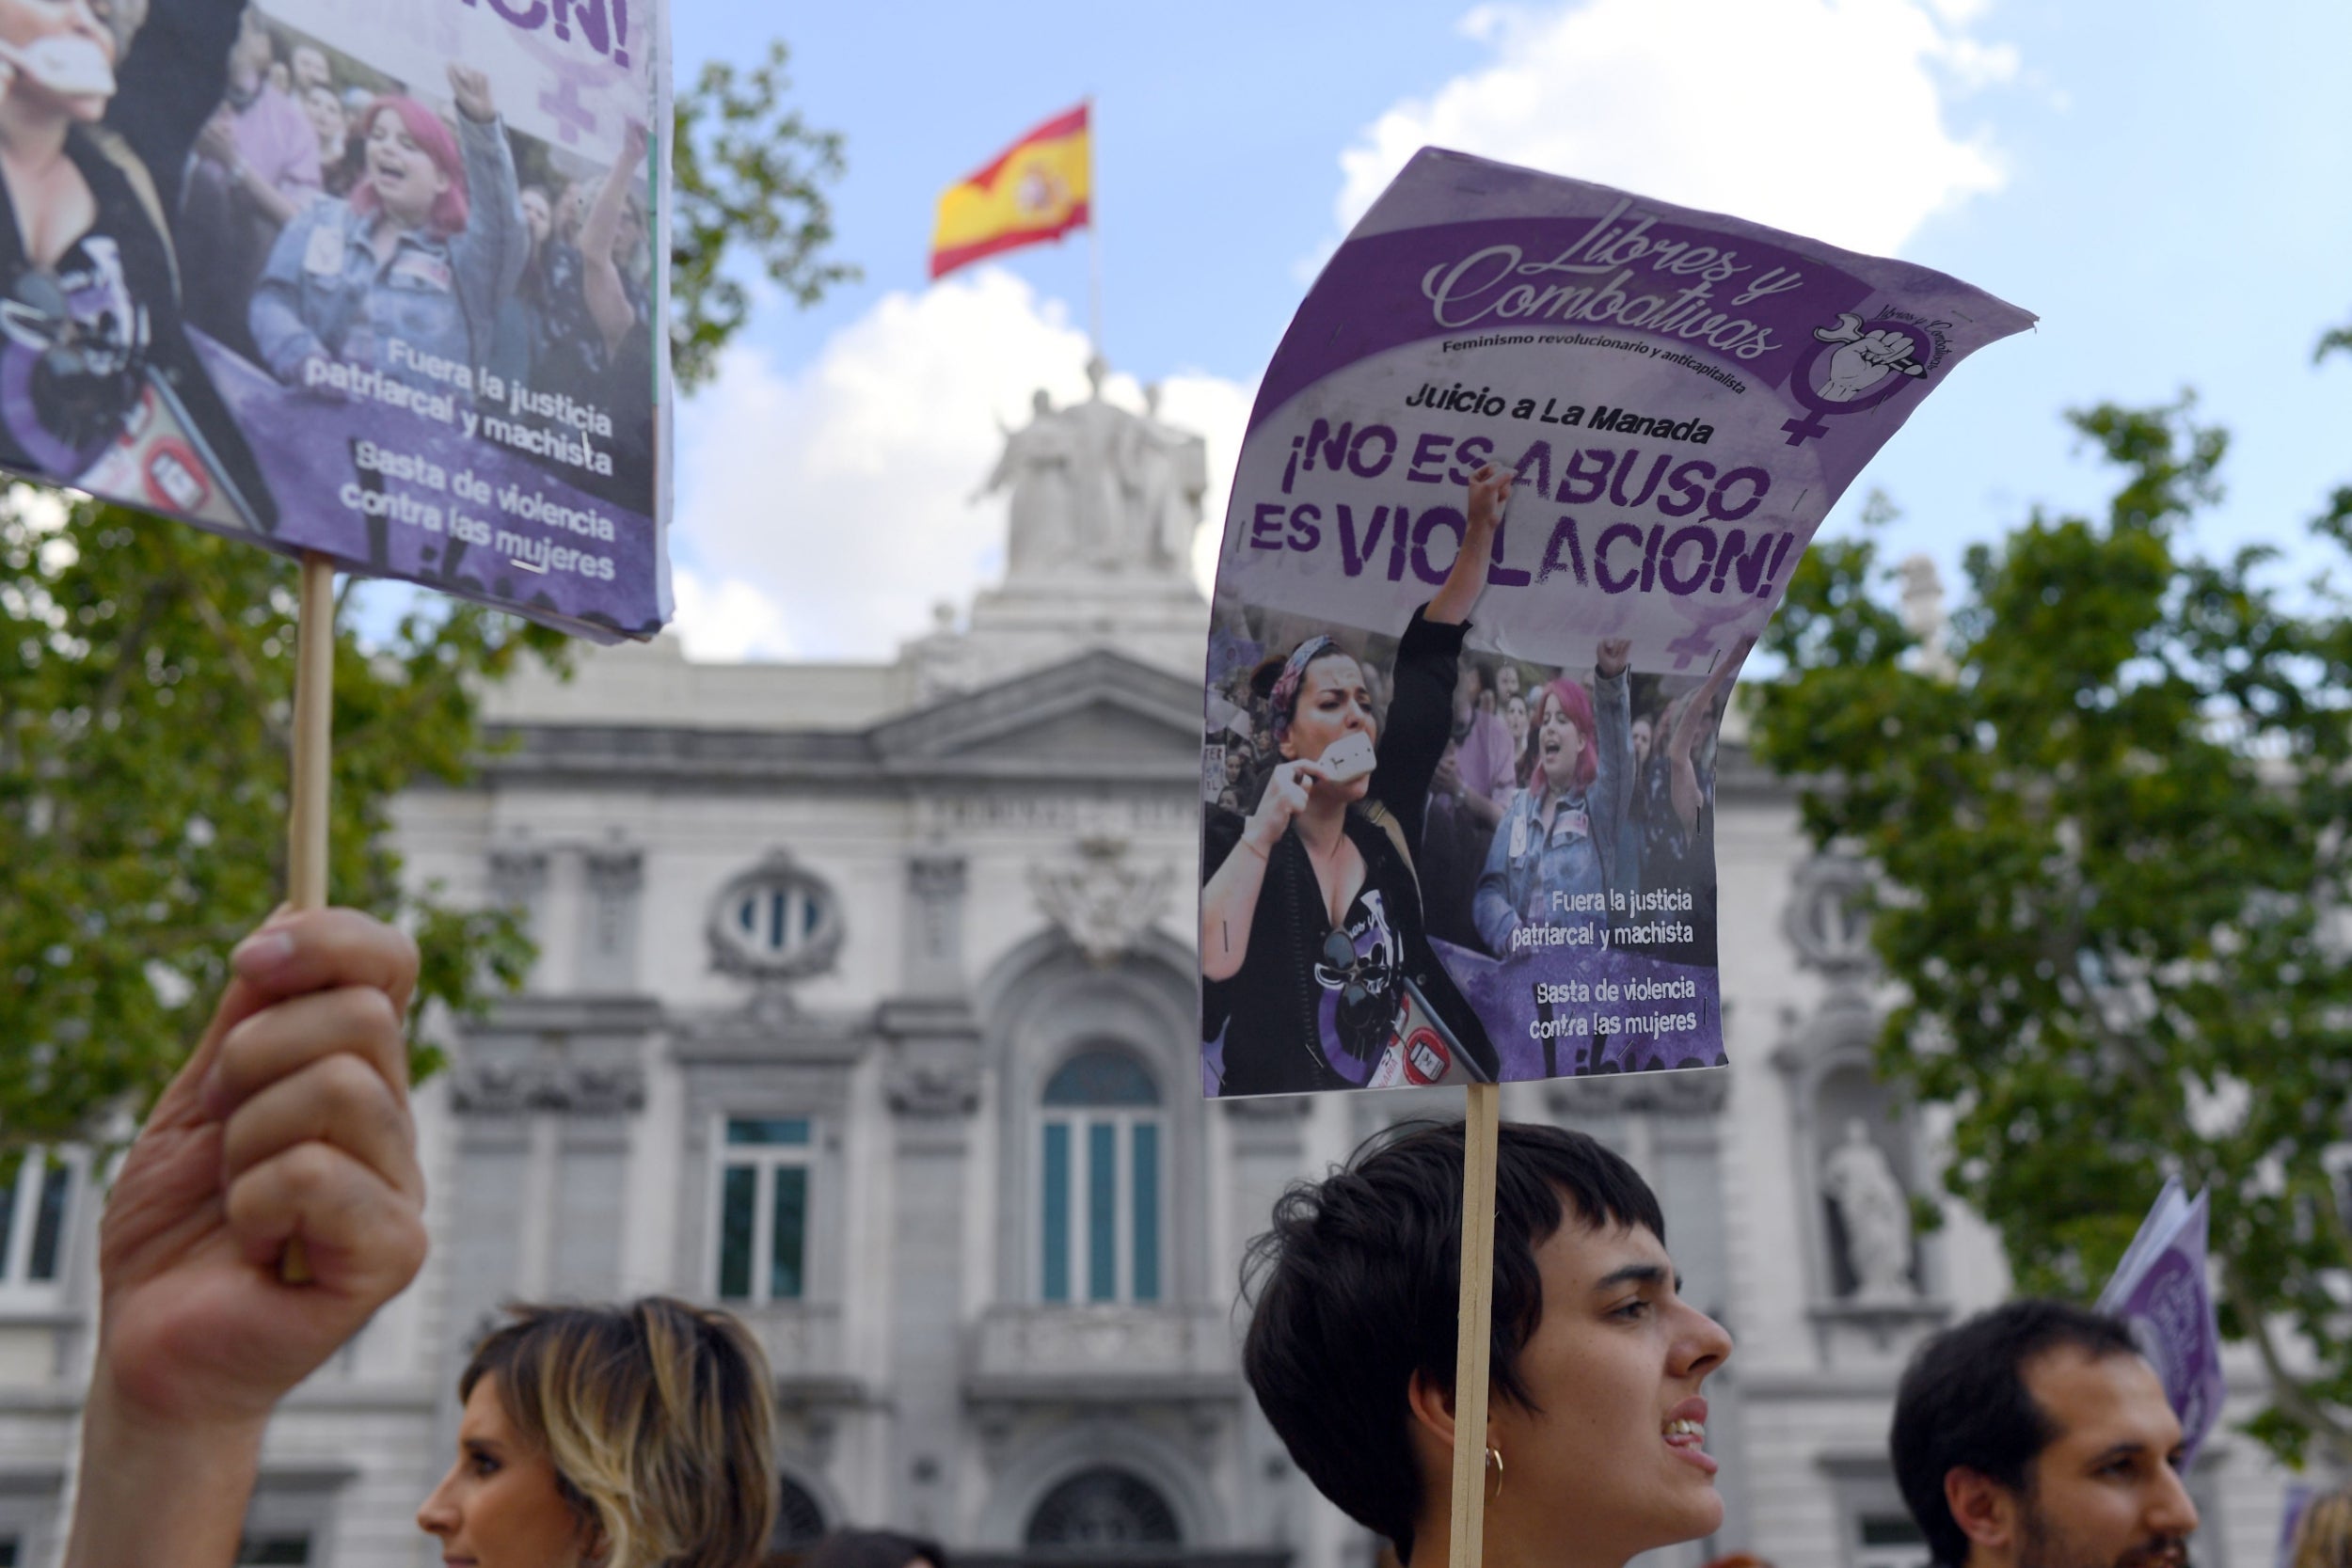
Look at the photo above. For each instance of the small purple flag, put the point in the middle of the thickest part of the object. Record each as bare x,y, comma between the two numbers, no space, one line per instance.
2160,1290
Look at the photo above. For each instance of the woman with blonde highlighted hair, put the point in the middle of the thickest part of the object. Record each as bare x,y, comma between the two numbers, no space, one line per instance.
613,1437
2323,1537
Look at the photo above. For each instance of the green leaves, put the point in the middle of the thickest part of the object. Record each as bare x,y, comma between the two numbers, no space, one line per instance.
146,673
748,172
2112,835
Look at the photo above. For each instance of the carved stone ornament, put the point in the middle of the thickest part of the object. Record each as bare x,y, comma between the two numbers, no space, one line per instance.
511,1088
1104,903
615,872
933,1087
1826,920
777,921
519,874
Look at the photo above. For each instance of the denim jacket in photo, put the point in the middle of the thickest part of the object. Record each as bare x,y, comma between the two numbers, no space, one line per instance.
1579,858
325,293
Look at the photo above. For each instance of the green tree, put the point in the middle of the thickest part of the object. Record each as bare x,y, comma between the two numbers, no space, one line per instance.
145,679
2109,827
747,174
146,675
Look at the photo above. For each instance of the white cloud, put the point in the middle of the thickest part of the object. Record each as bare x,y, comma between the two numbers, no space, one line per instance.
1824,117
727,620
826,509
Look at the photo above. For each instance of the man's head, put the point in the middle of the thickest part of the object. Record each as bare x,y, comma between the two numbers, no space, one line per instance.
2035,1437
1596,1360
311,67
250,55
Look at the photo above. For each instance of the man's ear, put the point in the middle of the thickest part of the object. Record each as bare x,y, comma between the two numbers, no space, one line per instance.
1432,1405
1986,1511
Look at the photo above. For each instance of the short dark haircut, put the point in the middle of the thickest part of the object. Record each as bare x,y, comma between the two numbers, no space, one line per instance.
1358,1285
1963,1405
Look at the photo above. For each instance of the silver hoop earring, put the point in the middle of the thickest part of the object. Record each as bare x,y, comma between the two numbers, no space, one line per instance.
1494,1462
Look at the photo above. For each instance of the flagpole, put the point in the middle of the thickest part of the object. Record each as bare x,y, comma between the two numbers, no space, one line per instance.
1094,243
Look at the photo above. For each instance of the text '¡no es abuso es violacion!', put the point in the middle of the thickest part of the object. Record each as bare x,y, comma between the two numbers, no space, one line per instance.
1698,538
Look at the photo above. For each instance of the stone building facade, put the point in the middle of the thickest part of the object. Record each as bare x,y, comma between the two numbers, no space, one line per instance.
865,1008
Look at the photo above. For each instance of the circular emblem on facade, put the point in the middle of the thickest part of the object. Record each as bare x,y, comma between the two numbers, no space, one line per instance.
777,920
1827,920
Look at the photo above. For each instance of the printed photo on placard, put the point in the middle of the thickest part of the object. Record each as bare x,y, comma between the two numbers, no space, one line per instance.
1480,845
1568,810
377,281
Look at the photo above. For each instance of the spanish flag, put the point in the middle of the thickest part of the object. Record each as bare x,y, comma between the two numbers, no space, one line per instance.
1036,190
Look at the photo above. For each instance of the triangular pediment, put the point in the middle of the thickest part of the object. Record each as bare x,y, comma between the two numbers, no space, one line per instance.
1099,713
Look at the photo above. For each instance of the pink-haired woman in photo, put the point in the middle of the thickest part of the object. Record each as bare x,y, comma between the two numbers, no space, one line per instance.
422,253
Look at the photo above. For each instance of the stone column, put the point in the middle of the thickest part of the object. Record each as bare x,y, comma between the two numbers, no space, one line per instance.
607,960
935,925
1267,1143
518,880
932,1085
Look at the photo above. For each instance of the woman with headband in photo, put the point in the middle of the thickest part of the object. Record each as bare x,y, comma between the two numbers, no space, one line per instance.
1313,949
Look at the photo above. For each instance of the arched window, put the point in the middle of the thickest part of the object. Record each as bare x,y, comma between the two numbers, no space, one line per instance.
799,1522
1104,1512
1099,1162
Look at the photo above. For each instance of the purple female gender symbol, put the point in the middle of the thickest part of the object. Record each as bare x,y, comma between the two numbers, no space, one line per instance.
1801,384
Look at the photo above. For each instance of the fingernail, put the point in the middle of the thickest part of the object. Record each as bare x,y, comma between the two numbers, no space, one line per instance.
261,952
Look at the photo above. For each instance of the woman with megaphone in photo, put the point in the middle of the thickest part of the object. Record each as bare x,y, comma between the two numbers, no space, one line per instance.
1316,960
98,383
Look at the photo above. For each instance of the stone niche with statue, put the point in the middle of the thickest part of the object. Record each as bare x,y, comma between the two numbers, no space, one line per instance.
1103,504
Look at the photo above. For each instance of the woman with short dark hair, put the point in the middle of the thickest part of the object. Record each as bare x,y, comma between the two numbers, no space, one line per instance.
1595,1428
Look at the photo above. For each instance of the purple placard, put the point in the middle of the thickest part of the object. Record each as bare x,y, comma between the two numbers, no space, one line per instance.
382,282
1681,396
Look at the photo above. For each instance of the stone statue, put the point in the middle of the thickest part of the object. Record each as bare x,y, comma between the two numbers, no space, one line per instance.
1037,464
1167,469
1923,615
1876,1213
1098,491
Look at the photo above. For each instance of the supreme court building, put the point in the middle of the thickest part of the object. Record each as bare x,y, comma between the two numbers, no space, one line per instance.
865,1008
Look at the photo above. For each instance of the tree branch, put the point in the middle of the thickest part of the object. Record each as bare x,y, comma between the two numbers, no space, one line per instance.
2285,1388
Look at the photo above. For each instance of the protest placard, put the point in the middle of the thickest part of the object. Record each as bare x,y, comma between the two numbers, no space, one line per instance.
379,287
1432,857
380,283
1681,396
2160,1289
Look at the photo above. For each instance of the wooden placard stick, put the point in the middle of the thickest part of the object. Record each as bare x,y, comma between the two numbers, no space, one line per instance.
1475,1334
307,813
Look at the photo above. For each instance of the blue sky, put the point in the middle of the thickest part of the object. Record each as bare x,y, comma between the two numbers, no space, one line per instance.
2164,186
